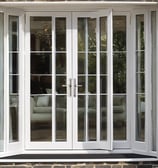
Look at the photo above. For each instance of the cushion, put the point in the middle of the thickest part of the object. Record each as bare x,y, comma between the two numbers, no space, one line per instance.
43,101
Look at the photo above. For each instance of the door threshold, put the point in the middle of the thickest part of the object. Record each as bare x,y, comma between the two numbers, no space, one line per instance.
126,157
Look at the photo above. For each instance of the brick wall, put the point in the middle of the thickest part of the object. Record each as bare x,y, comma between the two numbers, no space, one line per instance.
79,165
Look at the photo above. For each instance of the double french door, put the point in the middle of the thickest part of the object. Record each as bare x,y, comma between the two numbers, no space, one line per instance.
69,80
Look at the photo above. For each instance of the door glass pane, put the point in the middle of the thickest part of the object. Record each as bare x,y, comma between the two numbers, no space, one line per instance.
60,80
41,36
119,77
140,79
103,78
154,79
13,78
87,128
61,113
41,78
60,34
92,116
1,84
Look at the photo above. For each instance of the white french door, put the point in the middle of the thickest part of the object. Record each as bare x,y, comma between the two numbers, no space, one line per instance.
69,80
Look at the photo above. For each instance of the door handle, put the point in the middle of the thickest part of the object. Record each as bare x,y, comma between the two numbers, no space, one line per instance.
69,87
75,87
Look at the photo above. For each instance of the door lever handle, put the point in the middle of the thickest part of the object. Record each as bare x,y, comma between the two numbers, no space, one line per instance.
75,87
69,86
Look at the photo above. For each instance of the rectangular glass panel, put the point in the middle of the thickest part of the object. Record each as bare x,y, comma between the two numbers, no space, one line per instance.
81,63
92,63
41,63
91,34
81,82
41,118
92,116
1,84
103,84
119,117
81,34
103,34
61,63
61,84
81,118
119,72
13,63
41,33
103,63
41,79
119,77
61,118
13,78
140,116
92,84
154,79
60,34
103,117
140,78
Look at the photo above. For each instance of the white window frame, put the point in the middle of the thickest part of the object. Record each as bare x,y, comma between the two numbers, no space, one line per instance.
13,147
138,146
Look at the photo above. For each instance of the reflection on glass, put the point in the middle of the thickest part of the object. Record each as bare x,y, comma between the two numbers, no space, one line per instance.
81,63
61,119
119,73
13,83
154,79
13,78
41,63
13,63
41,118
92,63
103,117
119,110
60,34
92,118
61,84
91,34
60,63
140,61
103,63
119,33
140,85
81,34
103,84
13,33
81,118
103,34
41,36
119,77
140,79
13,119
81,82
41,84
140,115
140,43
92,84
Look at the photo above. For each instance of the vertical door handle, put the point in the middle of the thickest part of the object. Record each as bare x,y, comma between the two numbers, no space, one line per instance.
69,87
75,87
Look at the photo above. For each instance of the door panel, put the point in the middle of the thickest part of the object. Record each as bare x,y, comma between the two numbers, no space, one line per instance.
92,53
49,77
70,83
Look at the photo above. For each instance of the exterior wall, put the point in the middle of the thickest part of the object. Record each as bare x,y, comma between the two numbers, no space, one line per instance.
80,165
